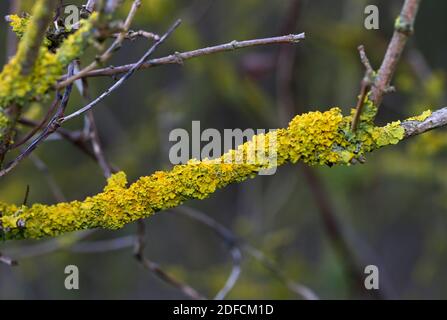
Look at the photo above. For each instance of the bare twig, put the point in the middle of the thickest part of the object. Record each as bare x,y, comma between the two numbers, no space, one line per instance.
233,241
336,233
180,57
229,239
403,29
236,255
51,127
7,260
365,85
90,5
42,167
93,134
436,120
299,289
113,47
76,138
41,124
101,246
155,268
132,35
129,73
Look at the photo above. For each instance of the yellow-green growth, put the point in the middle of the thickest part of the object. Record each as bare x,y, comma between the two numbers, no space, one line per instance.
20,89
18,24
424,115
313,138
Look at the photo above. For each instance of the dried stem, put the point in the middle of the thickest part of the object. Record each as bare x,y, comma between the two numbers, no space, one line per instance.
180,57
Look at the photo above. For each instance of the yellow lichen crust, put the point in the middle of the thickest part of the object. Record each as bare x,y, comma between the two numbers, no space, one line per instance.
424,115
313,138
49,66
18,24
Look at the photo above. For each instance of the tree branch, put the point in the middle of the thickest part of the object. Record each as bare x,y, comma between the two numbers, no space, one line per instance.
28,50
180,57
129,73
313,138
403,28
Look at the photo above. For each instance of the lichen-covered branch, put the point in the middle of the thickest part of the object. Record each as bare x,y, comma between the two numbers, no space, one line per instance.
23,63
28,49
22,81
313,138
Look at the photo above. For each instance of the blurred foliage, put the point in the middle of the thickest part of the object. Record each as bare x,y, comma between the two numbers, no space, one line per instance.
392,208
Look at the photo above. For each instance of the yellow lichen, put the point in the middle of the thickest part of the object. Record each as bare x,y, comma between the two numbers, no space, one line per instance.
424,115
313,138
18,24
48,67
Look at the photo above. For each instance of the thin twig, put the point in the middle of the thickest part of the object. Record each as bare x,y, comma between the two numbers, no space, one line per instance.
76,138
91,131
155,268
229,239
132,35
365,85
129,73
101,246
108,53
180,57
55,188
41,124
7,260
51,127
232,240
336,233
436,120
90,5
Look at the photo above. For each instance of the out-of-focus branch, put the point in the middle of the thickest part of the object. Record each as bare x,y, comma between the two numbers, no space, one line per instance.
7,260
230,241
155,268
55,188
90,5
233,241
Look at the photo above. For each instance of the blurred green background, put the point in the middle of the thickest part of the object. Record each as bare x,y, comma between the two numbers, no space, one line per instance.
391,210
